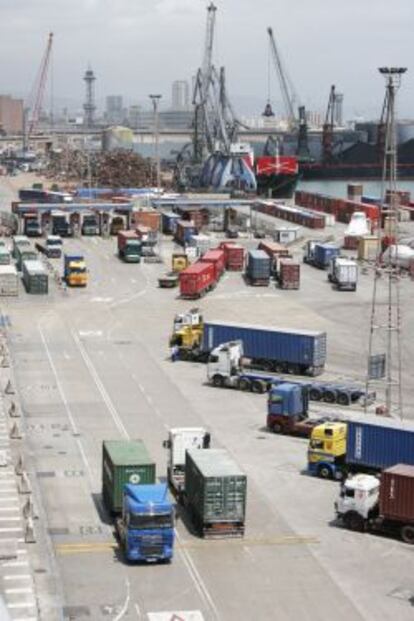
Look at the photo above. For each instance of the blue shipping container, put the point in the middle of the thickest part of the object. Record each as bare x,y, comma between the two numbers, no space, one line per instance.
302,347
379,445
323,253
169,222
258,265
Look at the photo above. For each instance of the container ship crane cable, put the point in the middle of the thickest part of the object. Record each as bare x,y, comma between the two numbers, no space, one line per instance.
385,369
35,100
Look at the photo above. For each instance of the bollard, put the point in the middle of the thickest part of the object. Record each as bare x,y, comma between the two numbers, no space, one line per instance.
15,433
29,534
19,469
5,363
13,410
28,510
3,459
9,390
25,487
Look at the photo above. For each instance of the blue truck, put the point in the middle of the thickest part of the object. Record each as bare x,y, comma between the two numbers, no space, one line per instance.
271,349
146,526
320,254
363,445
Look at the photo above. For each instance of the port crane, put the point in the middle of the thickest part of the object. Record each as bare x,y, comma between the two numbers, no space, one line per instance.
36,98
296,123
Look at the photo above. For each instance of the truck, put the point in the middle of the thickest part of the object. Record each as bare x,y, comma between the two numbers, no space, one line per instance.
197,280
180,439
60,224
179,261
19,241
75,272
367,503
287,411
320,254
215,493
142,510
343,273
24,253
90,224
359,445
129,247
32,226
51,247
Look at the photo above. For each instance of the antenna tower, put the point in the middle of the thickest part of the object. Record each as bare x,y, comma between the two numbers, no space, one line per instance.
89,105
384,355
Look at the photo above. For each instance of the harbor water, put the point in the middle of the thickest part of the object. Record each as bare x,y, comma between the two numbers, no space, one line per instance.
339,188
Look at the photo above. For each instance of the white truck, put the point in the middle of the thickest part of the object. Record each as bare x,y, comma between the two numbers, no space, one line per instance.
343,273
180,439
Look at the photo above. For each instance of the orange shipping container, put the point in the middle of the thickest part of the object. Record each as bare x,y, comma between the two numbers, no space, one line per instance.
149,218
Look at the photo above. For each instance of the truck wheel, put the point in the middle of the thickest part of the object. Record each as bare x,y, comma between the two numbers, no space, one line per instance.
329,396
277,428
244,384
258,387
354,521
218,381
343,399
324,472
407,534
315,394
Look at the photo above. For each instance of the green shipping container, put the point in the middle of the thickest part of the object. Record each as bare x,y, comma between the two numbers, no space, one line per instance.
124,461
19,241
215,488
25,253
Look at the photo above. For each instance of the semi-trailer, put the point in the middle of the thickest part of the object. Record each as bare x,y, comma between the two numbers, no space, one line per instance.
343,273
129,247
320,254
51,247
142,511
359,445
367,503
180,440
197,280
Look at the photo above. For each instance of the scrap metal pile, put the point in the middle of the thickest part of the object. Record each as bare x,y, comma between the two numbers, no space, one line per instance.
114,169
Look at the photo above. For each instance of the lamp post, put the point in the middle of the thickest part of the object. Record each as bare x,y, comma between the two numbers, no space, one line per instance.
155,101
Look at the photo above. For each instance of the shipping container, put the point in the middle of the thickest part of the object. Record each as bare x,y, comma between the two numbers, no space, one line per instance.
234,256
19,241
277,349
35,277
124,461
196,280
147,217
217,258
184,230
169,222
323,253
351,242
396,501
258,268
288,274
202,243
295,215
9,281
25,253
368,248
378,445
5,257
215,492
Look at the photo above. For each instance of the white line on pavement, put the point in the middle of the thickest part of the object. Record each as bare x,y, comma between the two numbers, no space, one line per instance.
17,577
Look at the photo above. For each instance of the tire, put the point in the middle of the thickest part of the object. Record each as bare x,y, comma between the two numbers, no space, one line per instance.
354,521
277,367
244,384
324,472
277,428
258,387
407,534
343,399
218,381
329,396
315,394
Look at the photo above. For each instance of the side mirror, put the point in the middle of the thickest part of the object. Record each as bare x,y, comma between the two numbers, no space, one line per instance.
206,441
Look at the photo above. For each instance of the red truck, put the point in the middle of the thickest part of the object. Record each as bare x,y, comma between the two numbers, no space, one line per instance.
218,260
196,280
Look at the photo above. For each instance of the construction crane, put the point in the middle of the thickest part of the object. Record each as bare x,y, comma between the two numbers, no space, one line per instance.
328,128
37,94
385,367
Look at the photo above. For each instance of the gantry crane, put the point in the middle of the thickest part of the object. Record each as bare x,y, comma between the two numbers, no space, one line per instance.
36,98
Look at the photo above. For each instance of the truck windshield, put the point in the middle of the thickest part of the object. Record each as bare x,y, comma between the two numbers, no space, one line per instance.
78,270
146,520
316,444
275,398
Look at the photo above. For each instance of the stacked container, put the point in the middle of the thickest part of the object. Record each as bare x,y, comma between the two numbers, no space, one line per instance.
9,284
217,258
201,242
184,231
233,255
169,222
258,268
35,277
215,490
288,274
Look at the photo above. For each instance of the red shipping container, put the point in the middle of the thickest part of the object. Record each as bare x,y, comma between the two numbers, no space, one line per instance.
217,258
124,236
196,280
351,242
234,257
289,274
149,218
273,249
397,493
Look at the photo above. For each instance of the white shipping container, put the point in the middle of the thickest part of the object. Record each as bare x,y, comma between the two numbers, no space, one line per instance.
203,243
346,271
9,281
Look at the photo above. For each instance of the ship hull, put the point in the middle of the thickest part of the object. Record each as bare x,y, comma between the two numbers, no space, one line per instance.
277,186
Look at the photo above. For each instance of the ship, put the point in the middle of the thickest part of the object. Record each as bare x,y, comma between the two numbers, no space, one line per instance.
277,175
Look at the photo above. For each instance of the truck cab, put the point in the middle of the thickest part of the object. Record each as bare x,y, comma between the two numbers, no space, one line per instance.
180,439
32,226
75,271
358,500
187,331
54,246
327,449
308,253
224,364
287,410
146,528
90,224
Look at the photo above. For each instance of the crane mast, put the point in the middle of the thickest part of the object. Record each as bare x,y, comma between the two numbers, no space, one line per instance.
287,91
38,92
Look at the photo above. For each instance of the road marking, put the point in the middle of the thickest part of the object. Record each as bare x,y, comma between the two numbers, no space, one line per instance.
13,529
19,590
18,577
10,518
11,509
16,564
22,605
8,498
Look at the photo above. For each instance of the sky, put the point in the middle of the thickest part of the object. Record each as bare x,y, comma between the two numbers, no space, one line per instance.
137,47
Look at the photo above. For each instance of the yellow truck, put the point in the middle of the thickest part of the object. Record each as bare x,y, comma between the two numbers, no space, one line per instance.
75,271
327,450
187,334
179,261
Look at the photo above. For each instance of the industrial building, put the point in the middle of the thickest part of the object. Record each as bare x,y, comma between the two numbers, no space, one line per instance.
11,114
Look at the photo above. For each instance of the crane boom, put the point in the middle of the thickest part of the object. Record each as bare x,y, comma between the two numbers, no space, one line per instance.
39,87
288,96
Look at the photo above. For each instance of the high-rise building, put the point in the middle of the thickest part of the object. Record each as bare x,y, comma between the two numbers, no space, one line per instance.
180,99
89,105
114,109
11,114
